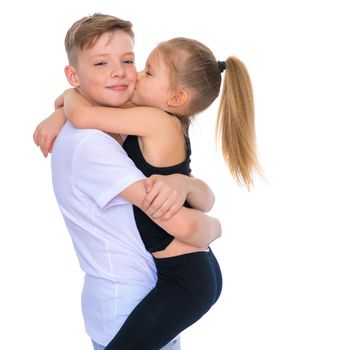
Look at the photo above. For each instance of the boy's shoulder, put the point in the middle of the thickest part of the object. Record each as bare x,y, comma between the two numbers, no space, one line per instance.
85,141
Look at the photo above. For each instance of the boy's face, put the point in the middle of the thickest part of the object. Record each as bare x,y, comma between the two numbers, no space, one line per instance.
105,73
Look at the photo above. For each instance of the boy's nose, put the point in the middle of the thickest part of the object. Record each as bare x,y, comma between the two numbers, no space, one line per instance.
117,71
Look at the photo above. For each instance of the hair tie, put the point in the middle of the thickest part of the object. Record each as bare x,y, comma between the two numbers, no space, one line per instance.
222,66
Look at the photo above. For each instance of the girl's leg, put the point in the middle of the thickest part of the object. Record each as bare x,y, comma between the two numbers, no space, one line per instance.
187,288
217,274
173,345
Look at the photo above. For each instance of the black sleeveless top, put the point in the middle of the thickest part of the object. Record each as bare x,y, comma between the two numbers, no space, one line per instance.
153,236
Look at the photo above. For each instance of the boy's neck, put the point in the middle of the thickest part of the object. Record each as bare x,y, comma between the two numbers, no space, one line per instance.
129,104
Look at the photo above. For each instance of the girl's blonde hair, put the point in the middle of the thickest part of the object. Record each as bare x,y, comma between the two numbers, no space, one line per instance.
193,66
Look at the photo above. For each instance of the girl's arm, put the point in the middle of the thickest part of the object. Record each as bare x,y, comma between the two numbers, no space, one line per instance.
164,195
140,121
187,225
200,195
46,132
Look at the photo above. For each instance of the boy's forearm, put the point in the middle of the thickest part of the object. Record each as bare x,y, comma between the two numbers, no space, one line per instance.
187,225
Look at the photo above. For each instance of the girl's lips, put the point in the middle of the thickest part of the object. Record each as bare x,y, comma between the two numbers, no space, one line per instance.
118,87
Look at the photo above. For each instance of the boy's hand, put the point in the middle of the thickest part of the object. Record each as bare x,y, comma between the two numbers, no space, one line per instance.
165,195
46,132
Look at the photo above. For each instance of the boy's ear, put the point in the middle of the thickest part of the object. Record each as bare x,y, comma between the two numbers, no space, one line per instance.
71,75
179,99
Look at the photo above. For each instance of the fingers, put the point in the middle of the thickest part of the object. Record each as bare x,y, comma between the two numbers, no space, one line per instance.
35,137
44,146
149,182
162,204
164,197
166,214
44,142
51,146
154,199
41,141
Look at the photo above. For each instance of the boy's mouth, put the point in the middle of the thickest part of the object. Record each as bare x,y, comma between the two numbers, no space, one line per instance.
118,87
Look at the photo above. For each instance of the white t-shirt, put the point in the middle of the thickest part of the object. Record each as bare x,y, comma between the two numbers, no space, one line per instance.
89,170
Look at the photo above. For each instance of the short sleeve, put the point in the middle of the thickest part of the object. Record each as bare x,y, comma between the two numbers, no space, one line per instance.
102,169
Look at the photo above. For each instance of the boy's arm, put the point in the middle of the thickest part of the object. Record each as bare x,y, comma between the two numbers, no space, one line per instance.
140,121
187,225
46,132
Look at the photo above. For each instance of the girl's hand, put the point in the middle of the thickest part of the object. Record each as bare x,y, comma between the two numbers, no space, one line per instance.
59,102
165,195
46,132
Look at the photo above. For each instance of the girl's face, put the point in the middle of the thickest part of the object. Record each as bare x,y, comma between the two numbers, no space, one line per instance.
106,72
153,85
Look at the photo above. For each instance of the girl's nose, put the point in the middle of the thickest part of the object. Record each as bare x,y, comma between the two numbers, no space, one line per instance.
140,74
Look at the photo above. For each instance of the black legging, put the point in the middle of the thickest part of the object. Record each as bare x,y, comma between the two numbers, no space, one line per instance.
188,286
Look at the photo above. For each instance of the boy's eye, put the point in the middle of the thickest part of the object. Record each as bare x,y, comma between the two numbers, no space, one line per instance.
129,61
100,63
148,73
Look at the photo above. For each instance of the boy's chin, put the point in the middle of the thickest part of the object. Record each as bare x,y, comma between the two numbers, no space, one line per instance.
116,103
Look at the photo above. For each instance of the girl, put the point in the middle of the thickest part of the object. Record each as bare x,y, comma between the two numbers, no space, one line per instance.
181,78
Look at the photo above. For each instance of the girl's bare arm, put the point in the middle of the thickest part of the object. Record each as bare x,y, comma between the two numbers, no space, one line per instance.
46,131
140,121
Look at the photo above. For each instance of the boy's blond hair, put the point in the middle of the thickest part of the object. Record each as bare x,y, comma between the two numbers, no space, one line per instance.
84,32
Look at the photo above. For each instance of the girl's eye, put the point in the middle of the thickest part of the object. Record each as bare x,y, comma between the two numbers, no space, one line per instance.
148,73
129,62
100,63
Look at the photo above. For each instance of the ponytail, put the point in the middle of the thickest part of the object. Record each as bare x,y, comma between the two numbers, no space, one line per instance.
195,67
235,122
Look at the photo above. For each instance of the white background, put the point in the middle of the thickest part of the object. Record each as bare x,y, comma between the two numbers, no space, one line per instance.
285,246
